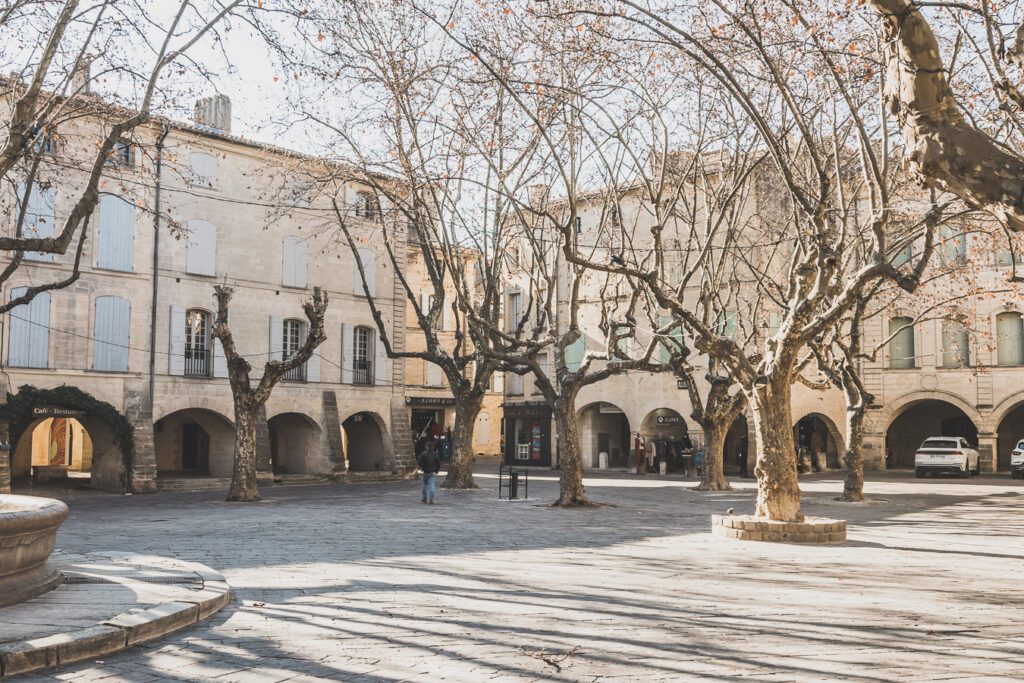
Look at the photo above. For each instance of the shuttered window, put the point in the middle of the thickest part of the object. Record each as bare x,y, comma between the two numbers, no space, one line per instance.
574,354
116,234
40,219
368,258
433,374
110,334
201,251
956,350
1010,339
901,348
293,262
203,169
29,343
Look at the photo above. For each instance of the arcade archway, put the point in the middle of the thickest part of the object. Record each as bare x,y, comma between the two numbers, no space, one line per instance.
920,420
194,442
737,448
365,444
604,428
294,443
1009,432
820,436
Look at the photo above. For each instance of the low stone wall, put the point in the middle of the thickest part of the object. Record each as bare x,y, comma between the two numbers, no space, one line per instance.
750,528
28,530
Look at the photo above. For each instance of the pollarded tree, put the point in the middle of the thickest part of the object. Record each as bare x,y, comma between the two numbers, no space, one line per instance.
248,399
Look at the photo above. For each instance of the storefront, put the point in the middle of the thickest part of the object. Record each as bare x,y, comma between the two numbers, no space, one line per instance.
429,415
527,434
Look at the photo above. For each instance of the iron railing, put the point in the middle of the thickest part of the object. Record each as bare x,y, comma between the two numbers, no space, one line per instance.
198,362
362,372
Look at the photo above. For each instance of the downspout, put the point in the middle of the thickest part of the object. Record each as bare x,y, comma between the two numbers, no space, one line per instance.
156,263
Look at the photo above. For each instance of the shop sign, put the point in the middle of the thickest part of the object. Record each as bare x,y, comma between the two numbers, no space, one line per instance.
57,412
429,401
669,420
682,383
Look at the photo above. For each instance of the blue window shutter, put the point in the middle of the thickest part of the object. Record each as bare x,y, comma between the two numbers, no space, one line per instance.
40,217
276,338
176,341
369,260
574,354
380,364
220,360
29,343
116,234
111,332
293,256
347,353
313,366
201,251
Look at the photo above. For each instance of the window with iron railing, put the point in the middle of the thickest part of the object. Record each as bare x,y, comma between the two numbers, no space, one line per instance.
198,345
362,357
294,338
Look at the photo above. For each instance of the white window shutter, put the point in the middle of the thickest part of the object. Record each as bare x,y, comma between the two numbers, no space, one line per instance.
176,344
446,315
29,343
347,353
204,169
313,366
293,254
369,260
116,240
424,303
380,364
220,361
201,251
110,334
276,338
433,374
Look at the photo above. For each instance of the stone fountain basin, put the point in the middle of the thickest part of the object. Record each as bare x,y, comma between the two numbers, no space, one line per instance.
28,530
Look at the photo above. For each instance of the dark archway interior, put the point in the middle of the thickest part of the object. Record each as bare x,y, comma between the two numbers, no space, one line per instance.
194,442
364,443
922,420
609,433
1011,430
814,433
736,443
292,441
68,449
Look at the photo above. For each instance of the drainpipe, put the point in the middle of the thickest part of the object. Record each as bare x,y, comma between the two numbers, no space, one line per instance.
156,263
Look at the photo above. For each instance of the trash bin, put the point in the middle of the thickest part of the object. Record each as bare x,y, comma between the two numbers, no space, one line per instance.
602,460
513,486
662,468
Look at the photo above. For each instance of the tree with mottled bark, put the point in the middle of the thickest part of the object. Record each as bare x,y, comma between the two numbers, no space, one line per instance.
249,399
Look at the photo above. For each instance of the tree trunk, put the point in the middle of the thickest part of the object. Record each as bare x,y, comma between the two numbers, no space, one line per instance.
570,483
778,492
244,488
712,477
853,458
460,469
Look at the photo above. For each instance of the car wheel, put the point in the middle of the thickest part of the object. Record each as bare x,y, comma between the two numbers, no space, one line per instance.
919,473
966,472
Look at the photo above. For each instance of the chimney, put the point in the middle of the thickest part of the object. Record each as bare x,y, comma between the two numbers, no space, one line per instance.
81,80
214,112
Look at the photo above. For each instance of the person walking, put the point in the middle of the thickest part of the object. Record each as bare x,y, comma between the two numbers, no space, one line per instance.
430,465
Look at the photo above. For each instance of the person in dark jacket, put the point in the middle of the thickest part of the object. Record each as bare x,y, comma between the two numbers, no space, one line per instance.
430,465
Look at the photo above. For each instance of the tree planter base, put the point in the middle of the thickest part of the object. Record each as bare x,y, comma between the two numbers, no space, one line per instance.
819,530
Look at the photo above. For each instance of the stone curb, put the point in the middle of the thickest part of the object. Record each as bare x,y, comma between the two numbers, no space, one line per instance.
117,633
814,530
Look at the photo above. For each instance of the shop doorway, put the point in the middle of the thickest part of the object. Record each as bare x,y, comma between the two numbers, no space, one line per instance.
604,429
817,436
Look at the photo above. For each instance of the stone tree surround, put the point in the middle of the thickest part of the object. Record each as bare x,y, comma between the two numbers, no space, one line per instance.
819,530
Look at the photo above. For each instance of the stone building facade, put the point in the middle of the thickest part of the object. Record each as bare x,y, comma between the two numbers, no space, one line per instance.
186,206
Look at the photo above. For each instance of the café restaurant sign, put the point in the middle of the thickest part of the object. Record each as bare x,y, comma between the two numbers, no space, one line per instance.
48,411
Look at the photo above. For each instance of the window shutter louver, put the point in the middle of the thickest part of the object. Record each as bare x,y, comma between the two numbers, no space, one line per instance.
111,333
276,338
40,217
574,355
369,260
313,366
176,341
432,374
380,363
116,234
29,343
201,252
220,360
1010,339
294,262
347,353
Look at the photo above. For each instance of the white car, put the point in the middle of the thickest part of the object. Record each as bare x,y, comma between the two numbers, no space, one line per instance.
1017,460
946,454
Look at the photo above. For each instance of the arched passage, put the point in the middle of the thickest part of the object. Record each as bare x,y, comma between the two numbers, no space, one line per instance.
920,420
1009,431
604,428
820,436
366,448
294,443
194,442
64,432
671,436
736,447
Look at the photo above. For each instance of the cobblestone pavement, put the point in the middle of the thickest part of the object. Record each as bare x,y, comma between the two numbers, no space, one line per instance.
363,583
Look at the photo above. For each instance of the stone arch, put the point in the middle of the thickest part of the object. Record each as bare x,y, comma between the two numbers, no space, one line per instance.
111,435
1006,421
295,440
925,414
367,444
818,431
222,406
604,428
894,408
194,441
